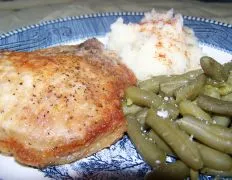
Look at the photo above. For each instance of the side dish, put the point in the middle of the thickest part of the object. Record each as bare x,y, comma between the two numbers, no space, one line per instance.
159,44
189,119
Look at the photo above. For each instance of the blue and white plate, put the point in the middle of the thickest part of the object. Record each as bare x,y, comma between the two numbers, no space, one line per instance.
121,160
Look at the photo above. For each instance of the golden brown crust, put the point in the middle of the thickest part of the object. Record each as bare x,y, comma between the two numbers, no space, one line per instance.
61,104
64,154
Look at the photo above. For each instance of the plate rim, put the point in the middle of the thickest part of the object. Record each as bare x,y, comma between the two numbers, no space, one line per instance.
103,14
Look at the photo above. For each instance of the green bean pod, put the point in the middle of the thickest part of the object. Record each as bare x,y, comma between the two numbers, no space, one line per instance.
185,149
205,134
218,130
142,97
192,74
214,172
175,171
168,88
213,69
141,116
214,83
189,108
225,89
221,120
214,159
227,97
194,175
221,131
211,91
160,142
152,84
191,90
172,109
169,85
215,105
148,150
229,80
227,67
130,109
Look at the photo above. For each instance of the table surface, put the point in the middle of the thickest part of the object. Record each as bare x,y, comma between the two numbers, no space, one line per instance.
18,13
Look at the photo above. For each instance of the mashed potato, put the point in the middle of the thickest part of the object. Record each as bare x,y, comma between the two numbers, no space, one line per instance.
159,44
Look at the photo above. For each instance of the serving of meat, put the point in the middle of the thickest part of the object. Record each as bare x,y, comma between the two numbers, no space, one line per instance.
61,104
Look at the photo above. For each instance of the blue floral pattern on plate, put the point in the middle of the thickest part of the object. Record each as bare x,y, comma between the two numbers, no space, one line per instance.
60,31
121,160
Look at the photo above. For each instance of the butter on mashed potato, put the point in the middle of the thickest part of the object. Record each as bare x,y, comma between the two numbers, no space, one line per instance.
158,44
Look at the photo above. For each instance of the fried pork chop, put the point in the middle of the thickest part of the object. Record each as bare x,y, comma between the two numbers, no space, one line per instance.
61,104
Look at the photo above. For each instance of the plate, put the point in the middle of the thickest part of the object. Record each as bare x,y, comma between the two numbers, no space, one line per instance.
119,161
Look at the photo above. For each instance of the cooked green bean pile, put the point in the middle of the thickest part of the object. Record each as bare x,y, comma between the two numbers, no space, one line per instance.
185,116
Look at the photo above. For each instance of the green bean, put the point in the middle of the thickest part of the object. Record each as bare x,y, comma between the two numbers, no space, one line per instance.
227,97
225,89
227,67
192,74
148,150
168,86
152,84
191,90
189,108
175,171
221,131
170,100
131,109
214,172
218,130
215,87
171,109
185,149
221,120
205,134
229,80
194,175
141,116
214,159
142,97
215,105
211,91
213,69
214,83
160,142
